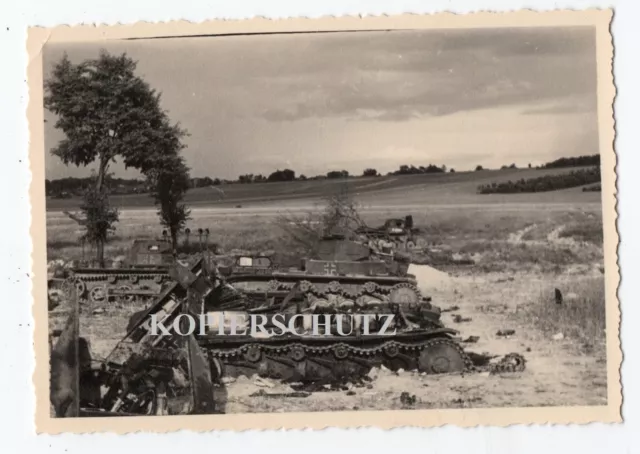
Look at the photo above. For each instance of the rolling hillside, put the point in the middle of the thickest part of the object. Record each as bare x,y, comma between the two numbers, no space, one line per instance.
435,189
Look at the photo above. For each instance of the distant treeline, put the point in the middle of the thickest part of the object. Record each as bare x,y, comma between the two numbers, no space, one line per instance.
544,183
578,161
68,187
594,188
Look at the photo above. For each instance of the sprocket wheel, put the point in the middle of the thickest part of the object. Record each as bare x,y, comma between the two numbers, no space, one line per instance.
404,294
441,357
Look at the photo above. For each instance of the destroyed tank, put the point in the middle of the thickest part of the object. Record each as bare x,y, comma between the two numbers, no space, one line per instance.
395,233
420,341
140,277
344,274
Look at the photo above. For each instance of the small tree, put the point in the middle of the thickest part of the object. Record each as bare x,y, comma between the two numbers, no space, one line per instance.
478,168
99,218
337,214
170,182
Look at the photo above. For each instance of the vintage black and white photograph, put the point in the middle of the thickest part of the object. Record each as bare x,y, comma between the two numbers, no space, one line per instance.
328,221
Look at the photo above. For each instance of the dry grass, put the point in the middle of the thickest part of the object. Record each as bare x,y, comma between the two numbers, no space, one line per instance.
588,232
580,317
484,235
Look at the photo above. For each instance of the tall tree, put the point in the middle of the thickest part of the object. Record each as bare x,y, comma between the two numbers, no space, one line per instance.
170,181
107,112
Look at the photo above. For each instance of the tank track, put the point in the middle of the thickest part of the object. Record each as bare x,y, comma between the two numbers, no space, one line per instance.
510,363
97,288
299,361
335,291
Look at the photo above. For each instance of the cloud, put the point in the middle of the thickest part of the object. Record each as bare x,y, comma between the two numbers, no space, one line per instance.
310,102
407,75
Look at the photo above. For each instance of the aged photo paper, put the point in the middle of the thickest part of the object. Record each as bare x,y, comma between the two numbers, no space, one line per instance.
340,222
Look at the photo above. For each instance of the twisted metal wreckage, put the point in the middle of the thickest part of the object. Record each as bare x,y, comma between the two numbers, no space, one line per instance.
146,373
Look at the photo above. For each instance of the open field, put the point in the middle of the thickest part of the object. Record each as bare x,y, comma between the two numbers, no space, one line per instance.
430,189
523,245
446,205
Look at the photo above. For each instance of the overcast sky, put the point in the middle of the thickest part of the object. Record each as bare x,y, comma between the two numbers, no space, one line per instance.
319,102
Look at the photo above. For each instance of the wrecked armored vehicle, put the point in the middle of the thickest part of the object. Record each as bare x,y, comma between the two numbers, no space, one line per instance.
345,274
347,344
140,276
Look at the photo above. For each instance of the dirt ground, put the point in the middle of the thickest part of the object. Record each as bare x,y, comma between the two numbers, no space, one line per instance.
556,373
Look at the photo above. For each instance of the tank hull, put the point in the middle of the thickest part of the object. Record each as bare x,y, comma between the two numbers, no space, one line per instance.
130,285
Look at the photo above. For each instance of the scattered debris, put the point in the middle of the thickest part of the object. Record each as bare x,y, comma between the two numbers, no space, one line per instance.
513,362
259,381
506,332
506,279
263,393
471,339
351,393
459,319
408,399
470,400
98,311
451,309
557,337
558,296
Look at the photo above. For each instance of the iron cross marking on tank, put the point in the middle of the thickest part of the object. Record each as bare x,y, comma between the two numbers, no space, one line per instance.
331,269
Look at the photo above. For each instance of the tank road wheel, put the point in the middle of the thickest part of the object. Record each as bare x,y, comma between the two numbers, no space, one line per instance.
335,287
391,350
158,279
253,354
341,351
76,282
440,357
273,285
98,294
298,353
112,279
133,279
306,287
370,287
126,298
